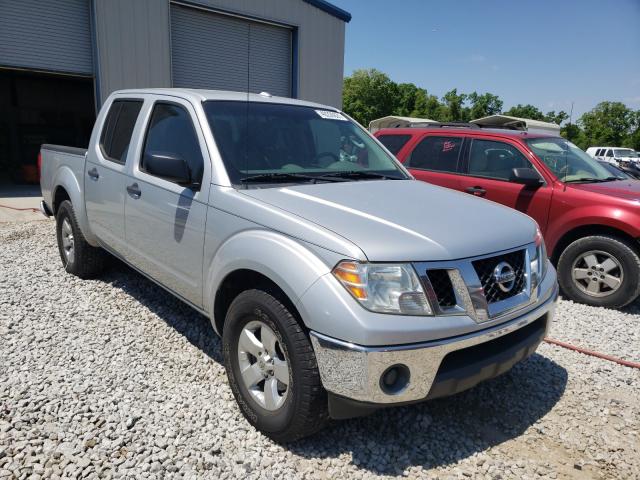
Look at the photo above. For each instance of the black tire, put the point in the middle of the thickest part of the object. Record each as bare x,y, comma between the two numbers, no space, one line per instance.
85,261
621,250
304,410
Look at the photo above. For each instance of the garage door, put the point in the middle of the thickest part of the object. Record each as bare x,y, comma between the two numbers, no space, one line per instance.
211,50
46,35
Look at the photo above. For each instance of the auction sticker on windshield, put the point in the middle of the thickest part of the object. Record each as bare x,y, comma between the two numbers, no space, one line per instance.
329,115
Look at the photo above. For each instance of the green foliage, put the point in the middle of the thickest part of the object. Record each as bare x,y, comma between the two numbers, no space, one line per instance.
454,103
371,94
525,111
609,123
484,105
556,118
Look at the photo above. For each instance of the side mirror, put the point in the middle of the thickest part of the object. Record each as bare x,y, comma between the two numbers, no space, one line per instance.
169,167
526,176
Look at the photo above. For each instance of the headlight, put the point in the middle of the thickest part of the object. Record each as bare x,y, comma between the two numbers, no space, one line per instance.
384,287
538,261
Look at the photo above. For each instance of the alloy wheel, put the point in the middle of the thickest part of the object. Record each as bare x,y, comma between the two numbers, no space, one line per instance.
263,365
67,240
597,273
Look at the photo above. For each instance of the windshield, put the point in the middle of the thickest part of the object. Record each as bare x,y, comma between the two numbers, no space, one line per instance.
273,143
615,170
568,162
625,153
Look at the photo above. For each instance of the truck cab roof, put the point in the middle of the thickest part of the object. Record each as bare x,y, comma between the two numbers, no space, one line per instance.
201,95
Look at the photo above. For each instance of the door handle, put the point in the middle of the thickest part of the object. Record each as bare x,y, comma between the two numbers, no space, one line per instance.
477,191
93,174
134,191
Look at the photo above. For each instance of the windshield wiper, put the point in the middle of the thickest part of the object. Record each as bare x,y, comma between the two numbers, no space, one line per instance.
591,180
275,177
358,174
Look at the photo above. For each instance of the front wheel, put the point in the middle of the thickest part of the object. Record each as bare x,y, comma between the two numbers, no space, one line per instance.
600,270
272,368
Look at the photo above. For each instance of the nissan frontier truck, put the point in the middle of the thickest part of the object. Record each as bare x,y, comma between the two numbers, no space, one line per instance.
338,283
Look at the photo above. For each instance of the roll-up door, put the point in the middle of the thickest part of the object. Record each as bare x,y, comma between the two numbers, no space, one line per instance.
222,52
53,35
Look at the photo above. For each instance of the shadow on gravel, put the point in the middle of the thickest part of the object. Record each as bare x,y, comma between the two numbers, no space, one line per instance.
430,434
443,431
195,327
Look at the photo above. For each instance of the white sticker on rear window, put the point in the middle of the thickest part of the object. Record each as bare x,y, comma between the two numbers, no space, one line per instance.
329,115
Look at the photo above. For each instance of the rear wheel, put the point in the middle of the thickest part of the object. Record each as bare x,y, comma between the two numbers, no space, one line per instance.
600,270
272,368
78,257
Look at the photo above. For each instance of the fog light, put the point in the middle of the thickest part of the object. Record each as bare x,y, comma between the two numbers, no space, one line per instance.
394,379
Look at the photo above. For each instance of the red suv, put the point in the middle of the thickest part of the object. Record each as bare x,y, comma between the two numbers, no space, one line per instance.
589,216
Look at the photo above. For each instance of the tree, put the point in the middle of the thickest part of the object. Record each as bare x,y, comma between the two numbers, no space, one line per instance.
525,111
455,105
407,96
575,134
633,140
609,123
484,105
428,106
369,94
556,118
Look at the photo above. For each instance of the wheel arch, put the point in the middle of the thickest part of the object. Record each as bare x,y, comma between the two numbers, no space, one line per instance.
265,259
67,187
589,230
60,194
239,281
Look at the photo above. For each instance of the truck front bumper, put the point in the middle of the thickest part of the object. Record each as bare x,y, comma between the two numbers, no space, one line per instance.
380,376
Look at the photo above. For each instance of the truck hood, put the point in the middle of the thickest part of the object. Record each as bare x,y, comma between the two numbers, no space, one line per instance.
404,220
625,189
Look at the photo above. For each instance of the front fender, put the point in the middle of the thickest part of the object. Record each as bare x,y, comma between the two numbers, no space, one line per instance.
290,263
622,219
65,178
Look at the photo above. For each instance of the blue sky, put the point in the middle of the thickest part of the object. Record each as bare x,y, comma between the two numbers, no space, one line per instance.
547,53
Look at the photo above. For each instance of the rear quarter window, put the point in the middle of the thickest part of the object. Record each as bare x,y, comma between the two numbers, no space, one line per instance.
394,143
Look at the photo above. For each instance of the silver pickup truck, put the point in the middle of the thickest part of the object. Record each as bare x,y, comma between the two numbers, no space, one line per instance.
339,284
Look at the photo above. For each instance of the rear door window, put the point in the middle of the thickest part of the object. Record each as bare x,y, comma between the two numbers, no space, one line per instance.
496,160
394,143
117,129
439,154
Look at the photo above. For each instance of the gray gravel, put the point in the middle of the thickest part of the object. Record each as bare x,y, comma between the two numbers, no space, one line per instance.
113,377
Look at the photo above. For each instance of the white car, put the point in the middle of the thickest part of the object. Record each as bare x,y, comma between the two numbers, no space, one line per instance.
613,154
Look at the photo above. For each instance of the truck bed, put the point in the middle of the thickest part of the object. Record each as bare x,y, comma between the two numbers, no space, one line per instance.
55,159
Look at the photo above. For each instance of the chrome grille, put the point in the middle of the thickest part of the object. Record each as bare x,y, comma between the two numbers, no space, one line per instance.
485,268
442,287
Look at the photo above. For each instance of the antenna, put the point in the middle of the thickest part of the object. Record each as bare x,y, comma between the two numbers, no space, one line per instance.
570,117
566,152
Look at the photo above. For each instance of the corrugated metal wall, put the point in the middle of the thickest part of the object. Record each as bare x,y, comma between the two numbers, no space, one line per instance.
223,52
270,59
133,44
46,35
320,43
208,51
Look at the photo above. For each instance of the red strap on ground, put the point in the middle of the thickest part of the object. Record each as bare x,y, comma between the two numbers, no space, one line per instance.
20,209
620,361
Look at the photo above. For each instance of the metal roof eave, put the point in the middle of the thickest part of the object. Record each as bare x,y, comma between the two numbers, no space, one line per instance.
330,9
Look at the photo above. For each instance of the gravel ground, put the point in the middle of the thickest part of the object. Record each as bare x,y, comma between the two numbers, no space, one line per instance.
113,377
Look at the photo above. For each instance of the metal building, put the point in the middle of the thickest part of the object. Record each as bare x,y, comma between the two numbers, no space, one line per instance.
59,59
